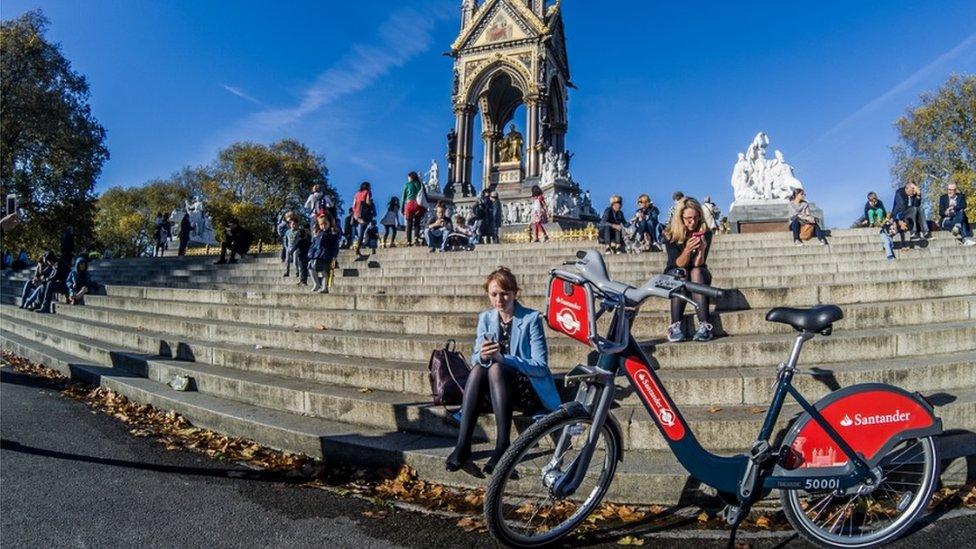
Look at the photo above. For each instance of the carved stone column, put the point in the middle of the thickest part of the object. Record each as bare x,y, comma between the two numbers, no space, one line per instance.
490,146
532,137
463,120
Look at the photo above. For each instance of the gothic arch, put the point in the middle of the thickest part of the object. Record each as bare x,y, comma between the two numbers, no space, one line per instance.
478,82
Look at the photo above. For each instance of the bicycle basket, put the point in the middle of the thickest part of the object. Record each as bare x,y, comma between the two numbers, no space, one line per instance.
570,309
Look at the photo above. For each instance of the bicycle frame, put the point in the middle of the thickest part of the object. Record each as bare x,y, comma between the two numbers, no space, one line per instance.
730,475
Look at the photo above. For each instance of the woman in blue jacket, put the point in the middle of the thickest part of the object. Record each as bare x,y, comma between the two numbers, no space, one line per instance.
509,353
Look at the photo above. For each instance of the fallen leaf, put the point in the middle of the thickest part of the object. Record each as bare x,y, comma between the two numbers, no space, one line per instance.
703,517
757,409
472,524
381,514
630,540
762,522
365,390
321,327
713,409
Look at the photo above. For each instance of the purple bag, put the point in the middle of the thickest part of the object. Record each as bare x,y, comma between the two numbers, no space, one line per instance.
448,371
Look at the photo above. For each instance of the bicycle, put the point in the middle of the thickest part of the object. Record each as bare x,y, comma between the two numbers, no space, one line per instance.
863,489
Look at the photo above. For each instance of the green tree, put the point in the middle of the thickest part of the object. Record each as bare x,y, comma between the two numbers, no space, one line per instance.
937,141
51,147
126,218
258,183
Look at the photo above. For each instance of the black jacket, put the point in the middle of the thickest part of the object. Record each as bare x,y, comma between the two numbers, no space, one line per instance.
611,217
239,239
903,202
944,204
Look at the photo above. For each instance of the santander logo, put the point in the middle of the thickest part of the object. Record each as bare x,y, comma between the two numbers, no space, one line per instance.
670,423
567,319
876,419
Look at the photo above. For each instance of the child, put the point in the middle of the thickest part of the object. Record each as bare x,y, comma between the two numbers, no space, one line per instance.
540,215
313,203
888,230
322,252
289,243
32,297
463,237
77,284
391,221
299,252
372,236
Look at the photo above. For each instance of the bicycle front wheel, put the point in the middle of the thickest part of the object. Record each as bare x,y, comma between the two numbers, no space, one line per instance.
868,516
520,509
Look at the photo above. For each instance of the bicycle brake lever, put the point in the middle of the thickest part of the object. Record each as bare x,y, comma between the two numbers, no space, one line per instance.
686,299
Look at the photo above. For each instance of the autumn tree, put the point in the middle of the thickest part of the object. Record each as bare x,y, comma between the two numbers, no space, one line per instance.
51,146
258,183
126,217
937,141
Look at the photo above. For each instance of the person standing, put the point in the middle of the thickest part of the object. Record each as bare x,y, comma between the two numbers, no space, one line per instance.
313,204
186,228
711,212
413,211
391,221
540,214
952,214
322,253
363,212
160,234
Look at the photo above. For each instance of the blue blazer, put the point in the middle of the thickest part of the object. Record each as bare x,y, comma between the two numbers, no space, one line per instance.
529,353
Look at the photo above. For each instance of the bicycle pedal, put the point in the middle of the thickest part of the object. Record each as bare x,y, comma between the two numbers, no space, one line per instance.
731,514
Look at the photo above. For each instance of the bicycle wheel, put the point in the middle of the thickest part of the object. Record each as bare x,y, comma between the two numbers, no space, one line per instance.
519,510
867,516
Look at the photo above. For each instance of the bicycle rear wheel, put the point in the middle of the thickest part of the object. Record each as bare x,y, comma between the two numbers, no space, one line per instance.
520,510
868,516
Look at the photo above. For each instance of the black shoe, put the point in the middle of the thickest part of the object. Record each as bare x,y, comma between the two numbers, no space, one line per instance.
456,460
489,467
232,261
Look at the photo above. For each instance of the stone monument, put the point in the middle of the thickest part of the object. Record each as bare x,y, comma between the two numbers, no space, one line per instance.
512,53
762,188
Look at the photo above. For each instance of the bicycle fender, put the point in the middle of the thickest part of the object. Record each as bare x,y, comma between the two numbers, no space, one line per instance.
578,410
871,417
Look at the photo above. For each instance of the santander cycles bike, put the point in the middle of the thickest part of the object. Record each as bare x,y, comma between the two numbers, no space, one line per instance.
856,469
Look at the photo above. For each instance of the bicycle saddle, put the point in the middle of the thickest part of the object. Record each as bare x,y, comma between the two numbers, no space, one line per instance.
814,319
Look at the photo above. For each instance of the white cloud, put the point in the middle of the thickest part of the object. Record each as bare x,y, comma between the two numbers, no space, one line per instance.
903,86
240,93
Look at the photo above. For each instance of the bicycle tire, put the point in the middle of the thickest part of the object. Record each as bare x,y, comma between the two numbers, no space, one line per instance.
914,507
495,491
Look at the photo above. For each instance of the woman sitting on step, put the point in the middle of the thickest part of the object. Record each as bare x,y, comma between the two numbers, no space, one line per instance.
510,362
687,240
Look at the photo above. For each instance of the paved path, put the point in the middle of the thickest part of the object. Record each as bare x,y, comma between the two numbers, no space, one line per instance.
72,478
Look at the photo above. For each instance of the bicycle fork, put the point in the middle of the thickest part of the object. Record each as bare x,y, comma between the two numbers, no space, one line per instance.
596,396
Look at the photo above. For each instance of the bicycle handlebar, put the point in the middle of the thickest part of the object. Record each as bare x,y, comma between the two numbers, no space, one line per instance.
704,290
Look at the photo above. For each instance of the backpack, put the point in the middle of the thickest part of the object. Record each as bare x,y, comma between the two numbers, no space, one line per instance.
478,212
448,372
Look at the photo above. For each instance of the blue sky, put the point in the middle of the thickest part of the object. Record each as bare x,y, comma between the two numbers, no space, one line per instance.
668,92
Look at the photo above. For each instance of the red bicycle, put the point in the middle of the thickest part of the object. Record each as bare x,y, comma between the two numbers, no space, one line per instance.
856,469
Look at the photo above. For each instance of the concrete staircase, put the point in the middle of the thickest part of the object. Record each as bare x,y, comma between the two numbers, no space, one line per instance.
343,376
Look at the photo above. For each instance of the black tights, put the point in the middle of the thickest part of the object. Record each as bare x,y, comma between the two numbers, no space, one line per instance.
413,228
387,229
698,275
498,388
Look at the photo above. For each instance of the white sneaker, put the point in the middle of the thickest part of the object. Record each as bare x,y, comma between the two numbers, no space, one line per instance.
956,229
969,242
797,242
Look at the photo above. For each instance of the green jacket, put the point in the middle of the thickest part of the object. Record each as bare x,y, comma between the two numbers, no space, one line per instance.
410,191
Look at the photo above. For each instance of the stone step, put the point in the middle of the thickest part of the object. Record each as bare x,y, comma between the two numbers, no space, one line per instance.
643,477
530,284
460,262
431,302
743,351
694,386
730,428
651,323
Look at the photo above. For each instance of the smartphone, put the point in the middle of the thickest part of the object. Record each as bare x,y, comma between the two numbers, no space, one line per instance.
11,204
698,235
491,337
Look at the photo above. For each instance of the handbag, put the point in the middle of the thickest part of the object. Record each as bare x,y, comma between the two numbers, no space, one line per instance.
448,373
422,198
806,231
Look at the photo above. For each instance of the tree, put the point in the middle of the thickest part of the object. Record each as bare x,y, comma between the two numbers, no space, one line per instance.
126,217
51,147
938,141
257,183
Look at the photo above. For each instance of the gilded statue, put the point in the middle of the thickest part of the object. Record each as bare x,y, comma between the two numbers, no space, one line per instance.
510,146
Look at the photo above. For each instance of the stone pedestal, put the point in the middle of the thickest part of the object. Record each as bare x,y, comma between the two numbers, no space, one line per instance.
764,216
506,177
